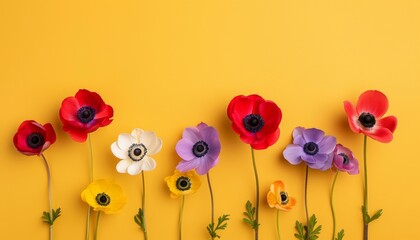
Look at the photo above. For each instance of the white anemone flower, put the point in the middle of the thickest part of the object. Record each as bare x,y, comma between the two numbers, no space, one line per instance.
135,149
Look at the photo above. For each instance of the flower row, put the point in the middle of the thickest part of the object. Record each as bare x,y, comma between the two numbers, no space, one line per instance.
253,118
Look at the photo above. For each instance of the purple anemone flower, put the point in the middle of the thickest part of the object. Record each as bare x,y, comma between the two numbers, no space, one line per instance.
199,149
345,161
311,146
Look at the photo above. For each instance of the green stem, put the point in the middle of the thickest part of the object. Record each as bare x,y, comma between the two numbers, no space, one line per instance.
306,201
332,204
211,198
91,158
97,224
365,198
143,205
257,193
49,194
181,212
91,180
278,225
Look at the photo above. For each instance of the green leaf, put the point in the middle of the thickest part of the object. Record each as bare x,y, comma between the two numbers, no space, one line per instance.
47,218
300,232
367,219
310,232
221,225
250,218
376,215
340,235
139,219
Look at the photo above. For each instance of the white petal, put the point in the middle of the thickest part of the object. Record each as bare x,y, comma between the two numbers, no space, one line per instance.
123,165
136,133
148,164
121,154
134,168
125,141
151,142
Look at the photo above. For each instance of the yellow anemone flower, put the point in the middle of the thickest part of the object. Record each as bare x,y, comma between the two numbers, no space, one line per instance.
183,183
105,196
278,197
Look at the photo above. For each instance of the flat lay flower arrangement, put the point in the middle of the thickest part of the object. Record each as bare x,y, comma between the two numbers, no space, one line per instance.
256,121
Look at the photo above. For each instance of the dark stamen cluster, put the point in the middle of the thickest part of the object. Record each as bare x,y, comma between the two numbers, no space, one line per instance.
86,114
35,140
103,199
200,149
253,122
183,183
367,120
311,148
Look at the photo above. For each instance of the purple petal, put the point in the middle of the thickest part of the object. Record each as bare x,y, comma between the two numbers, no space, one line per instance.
328,163
206,164
185,166
192,134
184,149
298,131
320,161
313,135
293,154
327,145
211,137
201,126
309,158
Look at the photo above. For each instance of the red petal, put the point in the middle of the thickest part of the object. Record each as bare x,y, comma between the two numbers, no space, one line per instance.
381,134
352,116
267,141
107,112
373,102
50,133
77,135
271,115
232,104
88,98
389,122
69,108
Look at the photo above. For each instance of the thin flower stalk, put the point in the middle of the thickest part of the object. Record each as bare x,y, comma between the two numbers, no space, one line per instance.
143,205
181,213
47,168
365,191
306,198
97,224
257,193
211,199
91,180
332,204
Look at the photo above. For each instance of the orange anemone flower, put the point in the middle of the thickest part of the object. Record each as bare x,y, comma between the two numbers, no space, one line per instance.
278,197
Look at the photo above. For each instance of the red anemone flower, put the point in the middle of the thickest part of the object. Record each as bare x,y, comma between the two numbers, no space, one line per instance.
366,117
84,113
33,138
255,119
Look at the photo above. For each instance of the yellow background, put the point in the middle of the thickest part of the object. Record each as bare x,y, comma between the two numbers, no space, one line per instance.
167,65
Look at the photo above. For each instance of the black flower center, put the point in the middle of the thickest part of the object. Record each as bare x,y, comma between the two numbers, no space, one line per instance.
284,198
137,151
103,199
183,183
346,159
253,122
35,140
200,149
311,148
86,114
367,120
